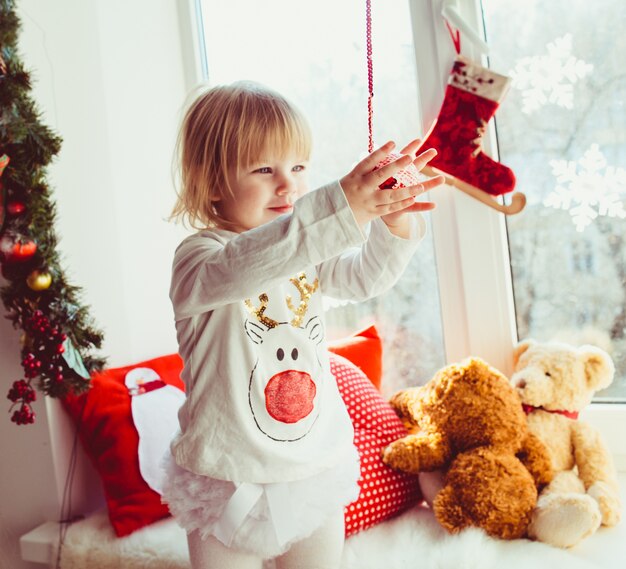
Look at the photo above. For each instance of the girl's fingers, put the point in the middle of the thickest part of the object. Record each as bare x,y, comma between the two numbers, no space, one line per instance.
433,182
412,147
389,197
420,206
369,162
410,206
424,158
390,169
399,206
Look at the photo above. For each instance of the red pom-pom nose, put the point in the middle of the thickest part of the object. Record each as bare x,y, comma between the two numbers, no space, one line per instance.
289,396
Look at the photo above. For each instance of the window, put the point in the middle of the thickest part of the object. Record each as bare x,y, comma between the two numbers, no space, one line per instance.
488,289
319,62
470,302
561,129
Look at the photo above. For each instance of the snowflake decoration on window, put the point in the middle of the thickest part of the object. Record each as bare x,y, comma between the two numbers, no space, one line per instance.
549,78
588,188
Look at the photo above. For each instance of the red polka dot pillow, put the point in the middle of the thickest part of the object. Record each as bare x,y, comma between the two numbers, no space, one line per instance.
384,492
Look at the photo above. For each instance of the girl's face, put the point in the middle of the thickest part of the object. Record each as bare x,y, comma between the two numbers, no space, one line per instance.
264,191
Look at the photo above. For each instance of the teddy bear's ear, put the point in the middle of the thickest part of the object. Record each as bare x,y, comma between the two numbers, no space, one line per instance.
599,367
521,348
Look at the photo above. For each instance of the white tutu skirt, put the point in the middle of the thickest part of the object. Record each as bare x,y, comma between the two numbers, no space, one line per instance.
198,502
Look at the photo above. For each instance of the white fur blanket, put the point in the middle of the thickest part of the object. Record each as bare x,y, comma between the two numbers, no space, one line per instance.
412,540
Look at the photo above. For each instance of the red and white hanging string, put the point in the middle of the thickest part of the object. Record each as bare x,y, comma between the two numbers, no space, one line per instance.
455,34
370,75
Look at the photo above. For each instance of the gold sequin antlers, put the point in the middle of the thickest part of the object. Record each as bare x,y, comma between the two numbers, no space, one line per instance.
259,312
305,289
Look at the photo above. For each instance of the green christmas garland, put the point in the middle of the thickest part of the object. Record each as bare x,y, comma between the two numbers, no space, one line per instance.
58,333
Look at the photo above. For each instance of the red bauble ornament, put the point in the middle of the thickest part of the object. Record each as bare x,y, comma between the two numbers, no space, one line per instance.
16,250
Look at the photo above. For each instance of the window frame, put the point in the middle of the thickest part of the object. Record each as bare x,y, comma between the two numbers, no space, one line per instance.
476,289
193,47
474,274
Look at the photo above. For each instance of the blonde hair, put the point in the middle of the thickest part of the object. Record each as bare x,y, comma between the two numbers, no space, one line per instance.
223,131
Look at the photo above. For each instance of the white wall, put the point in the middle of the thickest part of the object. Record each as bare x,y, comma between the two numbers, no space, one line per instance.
108,77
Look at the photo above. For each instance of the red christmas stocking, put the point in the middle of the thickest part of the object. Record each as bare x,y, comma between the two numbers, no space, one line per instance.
472,97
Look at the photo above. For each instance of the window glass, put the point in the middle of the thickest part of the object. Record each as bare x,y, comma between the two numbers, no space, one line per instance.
319,62
561,128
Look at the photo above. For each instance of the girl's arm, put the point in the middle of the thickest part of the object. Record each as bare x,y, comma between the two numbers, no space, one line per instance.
365,272
210,270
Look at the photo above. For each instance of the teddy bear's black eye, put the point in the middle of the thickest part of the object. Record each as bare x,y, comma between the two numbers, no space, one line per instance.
280,354
548,374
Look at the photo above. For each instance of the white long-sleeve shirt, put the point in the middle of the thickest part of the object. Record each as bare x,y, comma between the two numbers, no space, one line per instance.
262,405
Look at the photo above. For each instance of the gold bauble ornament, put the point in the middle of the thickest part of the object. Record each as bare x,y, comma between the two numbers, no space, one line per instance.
39,280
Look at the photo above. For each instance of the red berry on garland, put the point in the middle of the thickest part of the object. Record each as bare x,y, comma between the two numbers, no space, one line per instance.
18,390
31,365
21,390
24,415
15,208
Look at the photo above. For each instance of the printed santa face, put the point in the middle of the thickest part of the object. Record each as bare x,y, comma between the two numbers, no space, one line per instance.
154,407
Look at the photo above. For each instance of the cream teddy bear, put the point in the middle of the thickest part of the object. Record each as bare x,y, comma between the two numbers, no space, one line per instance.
555,381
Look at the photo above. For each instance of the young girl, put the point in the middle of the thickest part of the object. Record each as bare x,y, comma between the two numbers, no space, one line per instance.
264,462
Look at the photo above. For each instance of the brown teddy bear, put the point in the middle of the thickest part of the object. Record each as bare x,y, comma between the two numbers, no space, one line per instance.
555,381
468,421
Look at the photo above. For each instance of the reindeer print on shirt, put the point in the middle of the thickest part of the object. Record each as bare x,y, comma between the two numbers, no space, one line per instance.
286,380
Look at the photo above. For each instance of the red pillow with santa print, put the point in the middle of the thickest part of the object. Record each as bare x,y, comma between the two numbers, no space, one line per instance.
107,419
384,492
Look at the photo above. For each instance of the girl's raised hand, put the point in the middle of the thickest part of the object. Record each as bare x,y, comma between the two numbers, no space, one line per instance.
361,187
396,221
